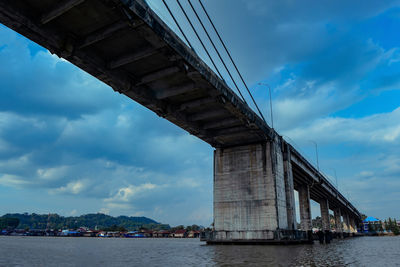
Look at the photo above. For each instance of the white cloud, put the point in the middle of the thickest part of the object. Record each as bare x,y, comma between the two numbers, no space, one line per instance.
125,194
74,187
376,129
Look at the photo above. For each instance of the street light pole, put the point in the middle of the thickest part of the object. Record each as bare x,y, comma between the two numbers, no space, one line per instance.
337,186
270,102
316,152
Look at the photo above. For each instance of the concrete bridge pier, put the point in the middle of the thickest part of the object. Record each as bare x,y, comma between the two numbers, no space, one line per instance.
338,223
289,189
326,224
346,225
353,227
305,210
253,195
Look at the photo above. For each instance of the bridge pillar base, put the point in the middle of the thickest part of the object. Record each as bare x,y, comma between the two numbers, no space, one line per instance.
256,237
250,195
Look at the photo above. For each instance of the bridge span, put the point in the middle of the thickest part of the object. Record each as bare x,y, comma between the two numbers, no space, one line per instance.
127,46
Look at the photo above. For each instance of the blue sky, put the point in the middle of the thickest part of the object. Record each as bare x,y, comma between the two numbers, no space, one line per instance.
70,144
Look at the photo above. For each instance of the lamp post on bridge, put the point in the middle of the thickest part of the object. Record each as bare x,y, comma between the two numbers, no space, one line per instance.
334,171
270,102
316,152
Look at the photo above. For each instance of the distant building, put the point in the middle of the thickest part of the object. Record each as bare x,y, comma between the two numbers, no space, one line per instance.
179,233
162,233
372,225
194,234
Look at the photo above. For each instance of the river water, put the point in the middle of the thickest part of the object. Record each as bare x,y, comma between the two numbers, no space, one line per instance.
81,251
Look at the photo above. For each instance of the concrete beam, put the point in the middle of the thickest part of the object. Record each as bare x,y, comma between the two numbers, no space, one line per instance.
160,74
305,208
174,91
102,34
302,166
209,114
220,124
196,103
324,206
60,9
230,130
132,57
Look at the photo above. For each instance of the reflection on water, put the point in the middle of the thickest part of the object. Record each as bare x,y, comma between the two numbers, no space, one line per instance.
56,251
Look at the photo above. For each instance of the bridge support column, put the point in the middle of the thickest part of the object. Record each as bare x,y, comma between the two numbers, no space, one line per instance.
305,210
324,205
289,188
249,195
326,224
338,223
346,224
353,228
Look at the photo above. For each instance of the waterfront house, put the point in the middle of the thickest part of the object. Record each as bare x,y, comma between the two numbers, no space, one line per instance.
193,234
147,233
162,233
179,233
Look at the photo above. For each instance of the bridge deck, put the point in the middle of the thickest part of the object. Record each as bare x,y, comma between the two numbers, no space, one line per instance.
126,45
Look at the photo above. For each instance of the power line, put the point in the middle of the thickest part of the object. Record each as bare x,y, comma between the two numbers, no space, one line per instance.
233,62
198,37
216,50
177,24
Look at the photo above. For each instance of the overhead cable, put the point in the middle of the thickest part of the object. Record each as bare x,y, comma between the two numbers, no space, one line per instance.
177,24
198,37
233,62
216,50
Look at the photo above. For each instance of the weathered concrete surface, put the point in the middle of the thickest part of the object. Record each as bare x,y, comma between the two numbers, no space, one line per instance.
289,188
346,223
352,224
324,207
305,208
249,192
338,222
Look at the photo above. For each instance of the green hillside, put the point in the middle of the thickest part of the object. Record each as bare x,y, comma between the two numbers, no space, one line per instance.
92,221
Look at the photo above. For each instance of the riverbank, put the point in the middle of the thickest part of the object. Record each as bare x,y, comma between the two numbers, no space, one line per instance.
84,232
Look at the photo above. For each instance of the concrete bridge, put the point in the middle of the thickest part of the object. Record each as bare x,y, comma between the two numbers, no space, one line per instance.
126,45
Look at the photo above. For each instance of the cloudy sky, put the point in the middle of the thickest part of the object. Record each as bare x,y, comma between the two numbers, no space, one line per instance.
70,144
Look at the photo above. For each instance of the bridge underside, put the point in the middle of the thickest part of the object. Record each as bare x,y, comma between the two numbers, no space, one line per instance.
124,44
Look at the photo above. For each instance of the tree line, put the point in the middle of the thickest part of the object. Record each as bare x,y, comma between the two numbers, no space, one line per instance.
93,221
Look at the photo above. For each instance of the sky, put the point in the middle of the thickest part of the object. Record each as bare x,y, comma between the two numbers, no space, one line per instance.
71,145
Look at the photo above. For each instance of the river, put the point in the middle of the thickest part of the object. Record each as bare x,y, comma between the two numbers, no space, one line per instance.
81,251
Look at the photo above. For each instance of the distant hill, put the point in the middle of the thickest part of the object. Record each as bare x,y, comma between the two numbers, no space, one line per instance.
92,221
